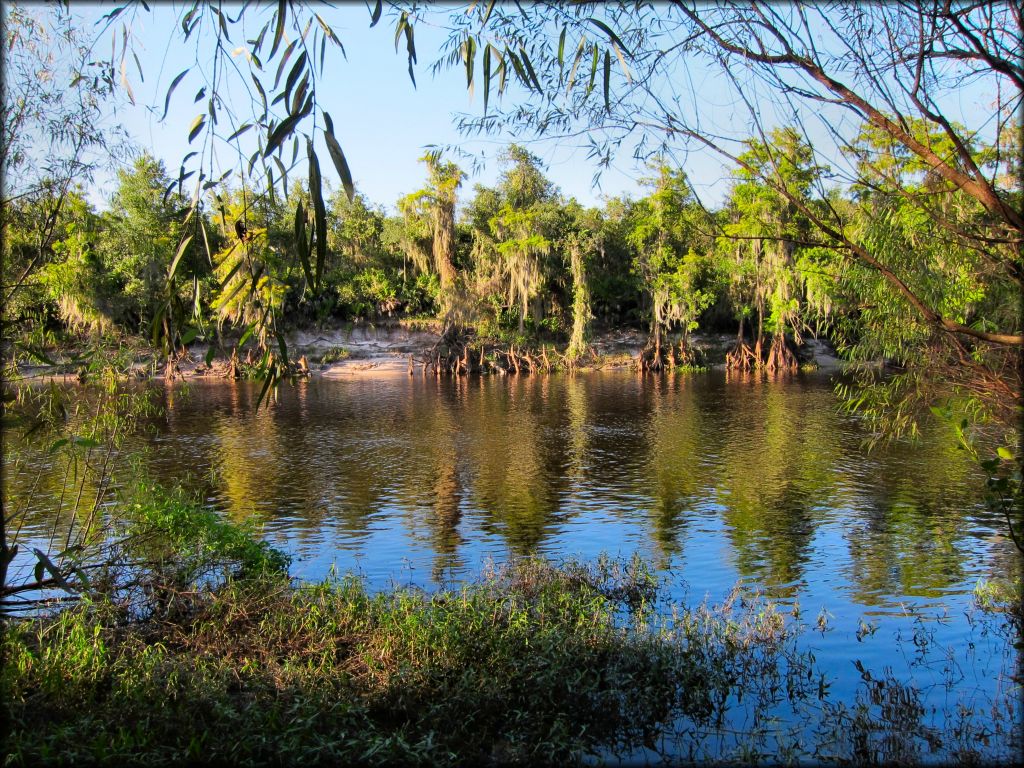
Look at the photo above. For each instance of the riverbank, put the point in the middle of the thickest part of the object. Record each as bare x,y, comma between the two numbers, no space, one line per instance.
531,664
359,350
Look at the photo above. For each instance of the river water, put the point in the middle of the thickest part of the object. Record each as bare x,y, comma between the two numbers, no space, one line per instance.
713,480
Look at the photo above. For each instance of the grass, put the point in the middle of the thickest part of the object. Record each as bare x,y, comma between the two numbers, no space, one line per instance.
533,663
333,355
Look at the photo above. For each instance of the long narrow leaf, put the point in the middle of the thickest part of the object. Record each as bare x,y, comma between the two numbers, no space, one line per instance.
170,89
196,128
607,81
316,194
300,242
611,34
177,257
338,158
280,133
282,14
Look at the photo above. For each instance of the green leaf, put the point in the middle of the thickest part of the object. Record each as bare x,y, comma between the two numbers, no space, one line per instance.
281,133
608,31
293,76
249,331
593,69
222,23
299,95
282,13
242,129
518,67
268,382
170,89
469,55
330,33
261,92
283,170
283,348
338,158
227,278
210,353
529,69
607,81
284,60
300,241
561,49
487,74
189,336
1004,453
57,444
410,47
487,14
316,193
47,563
177,257
37,353
196,127
375,16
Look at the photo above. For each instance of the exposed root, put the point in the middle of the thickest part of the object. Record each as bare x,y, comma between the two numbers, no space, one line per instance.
686,354
781,357
741,357
651,357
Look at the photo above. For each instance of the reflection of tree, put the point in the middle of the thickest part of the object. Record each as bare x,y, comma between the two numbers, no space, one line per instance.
517,448
912,537
521,453
777,468
677,440
288,458
577,421
433,461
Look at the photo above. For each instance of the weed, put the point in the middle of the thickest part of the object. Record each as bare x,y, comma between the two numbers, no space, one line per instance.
532,663
333,355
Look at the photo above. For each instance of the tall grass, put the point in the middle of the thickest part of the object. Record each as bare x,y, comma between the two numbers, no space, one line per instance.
533,663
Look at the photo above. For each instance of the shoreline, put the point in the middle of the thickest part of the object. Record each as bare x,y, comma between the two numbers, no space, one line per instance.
383,351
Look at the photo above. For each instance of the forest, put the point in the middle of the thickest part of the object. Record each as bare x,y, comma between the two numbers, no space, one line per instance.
519,267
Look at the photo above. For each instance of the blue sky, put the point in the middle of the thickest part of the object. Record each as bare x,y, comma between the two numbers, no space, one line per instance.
382,122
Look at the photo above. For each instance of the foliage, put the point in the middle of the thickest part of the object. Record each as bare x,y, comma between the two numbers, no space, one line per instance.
330,671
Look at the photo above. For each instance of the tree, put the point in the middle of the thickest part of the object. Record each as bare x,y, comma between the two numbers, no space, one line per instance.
141,238
764,236
429,234
523,229
52,139
581,239
251,268
665,234
831,71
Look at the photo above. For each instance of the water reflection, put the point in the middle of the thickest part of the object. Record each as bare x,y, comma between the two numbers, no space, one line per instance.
734,477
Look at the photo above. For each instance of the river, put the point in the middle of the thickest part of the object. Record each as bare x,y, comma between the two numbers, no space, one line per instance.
715,480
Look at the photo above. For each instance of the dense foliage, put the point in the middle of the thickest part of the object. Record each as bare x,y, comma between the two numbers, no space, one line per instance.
535,664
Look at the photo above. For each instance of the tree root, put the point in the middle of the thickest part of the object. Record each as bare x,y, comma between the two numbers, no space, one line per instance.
656,358
781,358
741,357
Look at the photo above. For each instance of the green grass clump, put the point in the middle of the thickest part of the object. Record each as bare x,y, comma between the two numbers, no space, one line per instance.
334,354
176,528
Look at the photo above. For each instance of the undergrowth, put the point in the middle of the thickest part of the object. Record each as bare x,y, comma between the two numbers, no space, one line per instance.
533,663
